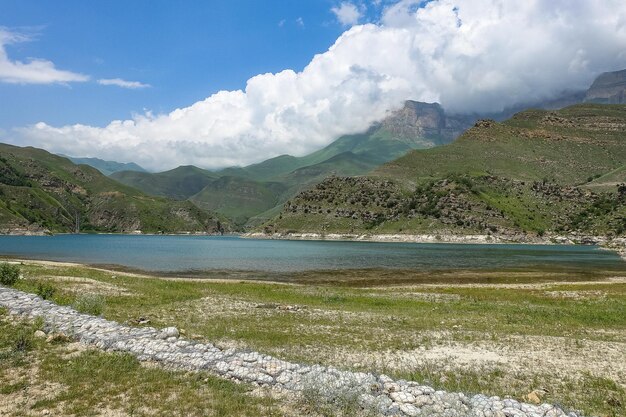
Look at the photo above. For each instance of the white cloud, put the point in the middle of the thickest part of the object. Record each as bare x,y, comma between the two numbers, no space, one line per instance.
347,13
469,55
300,22
123,83
35,70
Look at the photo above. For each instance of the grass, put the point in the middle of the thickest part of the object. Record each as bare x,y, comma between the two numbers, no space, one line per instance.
43,190
65,381
350,320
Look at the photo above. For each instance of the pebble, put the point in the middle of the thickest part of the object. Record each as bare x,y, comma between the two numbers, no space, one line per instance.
375,393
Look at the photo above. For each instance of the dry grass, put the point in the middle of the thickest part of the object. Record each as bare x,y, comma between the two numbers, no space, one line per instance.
498,332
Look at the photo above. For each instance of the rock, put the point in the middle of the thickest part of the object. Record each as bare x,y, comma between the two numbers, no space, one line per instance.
57,338
535,396
608,88
381,393
39,334
409,409
168,332
402,397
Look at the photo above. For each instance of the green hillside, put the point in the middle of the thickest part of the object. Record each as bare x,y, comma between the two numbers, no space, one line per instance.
41,192
179,183
538,172
239,198
566,146
255,193
106,167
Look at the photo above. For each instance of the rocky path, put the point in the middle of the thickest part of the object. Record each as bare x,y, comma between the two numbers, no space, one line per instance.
374,393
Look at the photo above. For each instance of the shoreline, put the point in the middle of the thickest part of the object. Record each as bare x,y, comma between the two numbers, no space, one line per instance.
617,245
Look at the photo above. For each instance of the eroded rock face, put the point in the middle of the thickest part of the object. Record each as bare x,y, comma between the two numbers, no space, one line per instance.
376,394
608,88
425,120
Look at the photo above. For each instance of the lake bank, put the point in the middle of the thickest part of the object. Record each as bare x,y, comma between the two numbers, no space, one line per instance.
497,332
616,244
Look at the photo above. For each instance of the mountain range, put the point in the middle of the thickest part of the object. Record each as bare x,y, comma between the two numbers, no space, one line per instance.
41,192
253,194
540,172
106,167
414,147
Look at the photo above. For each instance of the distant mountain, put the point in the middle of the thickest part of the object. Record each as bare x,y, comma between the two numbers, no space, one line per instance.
415,126
257,191
42,192
608,88
555,172
179,183
239,198
106,167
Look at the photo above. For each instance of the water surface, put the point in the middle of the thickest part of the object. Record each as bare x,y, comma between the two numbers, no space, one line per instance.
200,253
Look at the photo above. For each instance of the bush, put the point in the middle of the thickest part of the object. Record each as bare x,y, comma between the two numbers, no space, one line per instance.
23,340
45,290
90,304
9,274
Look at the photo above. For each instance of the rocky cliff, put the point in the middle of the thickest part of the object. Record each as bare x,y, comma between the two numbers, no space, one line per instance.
425,121
608,88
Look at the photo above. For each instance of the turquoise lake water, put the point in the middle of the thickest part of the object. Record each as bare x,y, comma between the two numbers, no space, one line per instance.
198,253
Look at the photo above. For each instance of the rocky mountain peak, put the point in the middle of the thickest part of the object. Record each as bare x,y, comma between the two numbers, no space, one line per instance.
424,120
608,88
416,119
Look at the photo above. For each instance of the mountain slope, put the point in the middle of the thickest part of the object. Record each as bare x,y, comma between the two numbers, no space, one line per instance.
41,192
179,183
415,126
566,146
531,175
106,167
608,88
239,198
253,190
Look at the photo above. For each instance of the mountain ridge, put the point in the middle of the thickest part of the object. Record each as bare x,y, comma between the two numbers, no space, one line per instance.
416,125
45,193
106,167
531,175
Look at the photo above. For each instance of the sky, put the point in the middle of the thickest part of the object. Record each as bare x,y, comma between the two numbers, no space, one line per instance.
223,83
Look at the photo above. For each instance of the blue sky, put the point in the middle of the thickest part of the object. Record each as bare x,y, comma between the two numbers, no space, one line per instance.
223,83
184,50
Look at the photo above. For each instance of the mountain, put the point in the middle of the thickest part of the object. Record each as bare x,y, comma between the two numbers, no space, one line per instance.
416,125
239,198
179,183
41,192
106,167
538,172
257,191
608,88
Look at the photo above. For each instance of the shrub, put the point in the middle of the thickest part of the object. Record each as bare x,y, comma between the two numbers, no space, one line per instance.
9,274
90,304
23,340
45,290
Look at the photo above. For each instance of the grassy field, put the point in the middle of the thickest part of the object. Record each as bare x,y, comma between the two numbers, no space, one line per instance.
497,332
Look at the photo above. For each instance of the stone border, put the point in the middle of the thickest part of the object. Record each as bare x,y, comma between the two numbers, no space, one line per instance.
375,393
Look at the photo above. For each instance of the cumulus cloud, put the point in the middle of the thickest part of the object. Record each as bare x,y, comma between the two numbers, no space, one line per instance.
133,85
35,70
469,55
347,13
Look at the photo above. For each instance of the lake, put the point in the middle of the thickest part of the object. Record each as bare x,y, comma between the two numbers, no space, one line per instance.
200,253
